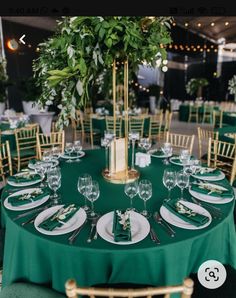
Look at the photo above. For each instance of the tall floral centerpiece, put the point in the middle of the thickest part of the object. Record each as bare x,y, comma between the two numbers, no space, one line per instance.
232,86
4,83
195,85
83,47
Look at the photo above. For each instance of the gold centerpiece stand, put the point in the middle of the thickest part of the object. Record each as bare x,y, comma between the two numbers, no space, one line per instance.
119,170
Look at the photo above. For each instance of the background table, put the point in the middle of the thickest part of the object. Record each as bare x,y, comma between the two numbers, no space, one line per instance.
31,256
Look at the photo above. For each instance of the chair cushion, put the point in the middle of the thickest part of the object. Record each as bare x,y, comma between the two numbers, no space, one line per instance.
24,153
28,290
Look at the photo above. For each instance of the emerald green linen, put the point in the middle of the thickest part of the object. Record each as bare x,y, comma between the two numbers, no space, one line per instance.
221,194
35,257
27,198
121,233
191,217
20,179
54,221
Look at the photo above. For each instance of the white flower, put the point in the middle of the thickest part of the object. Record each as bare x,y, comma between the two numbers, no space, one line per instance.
49,102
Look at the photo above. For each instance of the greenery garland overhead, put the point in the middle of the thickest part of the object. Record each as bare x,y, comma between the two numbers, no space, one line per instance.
83,47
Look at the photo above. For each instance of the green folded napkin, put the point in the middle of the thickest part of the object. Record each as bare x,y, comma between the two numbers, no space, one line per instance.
121,226
28,197
59,218
27,177
185,213
203,189
73,154
176,159
215,172
159,153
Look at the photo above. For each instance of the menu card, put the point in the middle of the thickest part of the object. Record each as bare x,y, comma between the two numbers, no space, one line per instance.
117,156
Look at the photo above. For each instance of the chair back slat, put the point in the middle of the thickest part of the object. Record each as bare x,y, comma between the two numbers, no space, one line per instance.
136,124
5,161
54,139
118,123
203,137
179,141
185,289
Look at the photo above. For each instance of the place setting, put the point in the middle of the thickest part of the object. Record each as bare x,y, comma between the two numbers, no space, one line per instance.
73,152
25,178
164,152
182,159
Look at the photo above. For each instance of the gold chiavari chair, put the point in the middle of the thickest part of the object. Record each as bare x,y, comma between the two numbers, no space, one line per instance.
155,126
136,124
180,141
26,147
193,113
77,126
88,131
217,118
185,290
207,114
5,162
167,118
54,139
110,124
144,111
222,155
203,138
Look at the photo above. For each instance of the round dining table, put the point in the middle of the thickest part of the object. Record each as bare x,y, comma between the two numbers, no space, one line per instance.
50,260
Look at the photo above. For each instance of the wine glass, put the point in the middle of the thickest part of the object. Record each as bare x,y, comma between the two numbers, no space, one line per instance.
145,193
92,195
105,142
167,150
133,136
131,190
41,170
184,157
77,149
83,185
147,144
169,180
182,181
46,155
56,152
54,183
68,150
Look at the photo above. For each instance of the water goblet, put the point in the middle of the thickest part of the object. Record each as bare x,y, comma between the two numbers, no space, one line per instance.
54,183
105,142
92,195
131,190
39,169
83,185
77,149
133,136
167,150
145,193
68,150
169,180
184,157
182,181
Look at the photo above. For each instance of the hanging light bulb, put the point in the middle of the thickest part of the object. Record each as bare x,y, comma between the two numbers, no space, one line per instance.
164,62
164,68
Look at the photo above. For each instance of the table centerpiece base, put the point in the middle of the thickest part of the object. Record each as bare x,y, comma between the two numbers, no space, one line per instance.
121,177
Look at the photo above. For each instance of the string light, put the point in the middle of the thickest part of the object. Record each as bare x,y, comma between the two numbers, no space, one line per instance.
174,24
199,24
226,23
212,24
186,24
194,48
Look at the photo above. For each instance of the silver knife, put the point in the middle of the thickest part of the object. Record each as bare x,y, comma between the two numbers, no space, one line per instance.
76,233
164,224
30,212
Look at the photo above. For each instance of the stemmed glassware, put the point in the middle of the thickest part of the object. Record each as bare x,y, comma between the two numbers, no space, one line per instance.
133,136
184,157
131,190
193,167
41,170
145,143
83,186
92,195
105,143
182,181
68,150
167,150
77,148
169,180
145,193
54,182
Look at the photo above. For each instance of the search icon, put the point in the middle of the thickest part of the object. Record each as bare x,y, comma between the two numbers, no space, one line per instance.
212,274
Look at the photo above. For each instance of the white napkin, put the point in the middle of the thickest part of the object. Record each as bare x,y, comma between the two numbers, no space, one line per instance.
142,159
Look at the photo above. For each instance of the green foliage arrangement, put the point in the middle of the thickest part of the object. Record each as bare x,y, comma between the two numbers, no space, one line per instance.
4,82
193,85
83,47
232,86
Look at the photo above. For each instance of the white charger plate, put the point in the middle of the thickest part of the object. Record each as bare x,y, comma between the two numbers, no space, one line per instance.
25,206
210,199
81,154
178,222
140,228
22,184
54,162
73,223
219,177
159,156
178,163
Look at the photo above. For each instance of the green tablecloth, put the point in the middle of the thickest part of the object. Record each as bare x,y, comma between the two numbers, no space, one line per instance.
184,112
8,135
224,130
229,118
38,258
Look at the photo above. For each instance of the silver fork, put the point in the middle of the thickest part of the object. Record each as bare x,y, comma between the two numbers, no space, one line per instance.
93,225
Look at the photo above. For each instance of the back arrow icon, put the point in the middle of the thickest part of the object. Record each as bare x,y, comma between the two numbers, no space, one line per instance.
21,39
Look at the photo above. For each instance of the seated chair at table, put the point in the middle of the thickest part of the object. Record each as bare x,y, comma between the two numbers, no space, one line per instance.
25,146
136,124
73,291
193,113
155,127
54,139
180,141
203,137
217,118
110,124
166,124
207,113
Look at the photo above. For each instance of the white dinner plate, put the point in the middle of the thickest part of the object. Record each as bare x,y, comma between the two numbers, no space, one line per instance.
210,199
73,223
219,177
175,160
22,184
25,206
54,163
155,154
65,156
178,222
140,228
